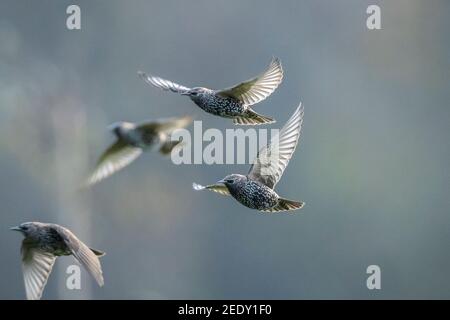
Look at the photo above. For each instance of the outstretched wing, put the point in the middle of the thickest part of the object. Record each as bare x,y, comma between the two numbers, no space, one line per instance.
259,88
163,83
219,188
37,266
83,254
117,156
165,125
273,159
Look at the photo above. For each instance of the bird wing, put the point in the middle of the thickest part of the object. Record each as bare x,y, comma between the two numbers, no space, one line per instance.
37,266
117,156
162,83
273,158
219,188
165,125
259,88
83,254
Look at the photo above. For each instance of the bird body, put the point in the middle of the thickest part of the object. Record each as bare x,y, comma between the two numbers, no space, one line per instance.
251,193
212,102
256,189
233,102
47,238
144,139
44,242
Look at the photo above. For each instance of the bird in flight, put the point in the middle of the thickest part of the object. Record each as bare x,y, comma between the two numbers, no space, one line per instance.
132,140
234,102
43,243
256,189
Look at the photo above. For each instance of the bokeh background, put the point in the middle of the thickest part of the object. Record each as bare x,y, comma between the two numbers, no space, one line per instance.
372,167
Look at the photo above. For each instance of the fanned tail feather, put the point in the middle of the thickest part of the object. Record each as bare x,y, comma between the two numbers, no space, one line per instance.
252,118
286,205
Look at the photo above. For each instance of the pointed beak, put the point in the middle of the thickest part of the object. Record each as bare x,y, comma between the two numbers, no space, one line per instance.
15,229
221,181
186,93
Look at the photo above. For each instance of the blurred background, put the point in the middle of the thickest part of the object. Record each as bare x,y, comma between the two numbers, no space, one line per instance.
372,167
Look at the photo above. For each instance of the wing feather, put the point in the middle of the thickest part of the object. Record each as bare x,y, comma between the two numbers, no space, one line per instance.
165,125
219,188
163,84
273,158
116,157
36,266
259,88
83,254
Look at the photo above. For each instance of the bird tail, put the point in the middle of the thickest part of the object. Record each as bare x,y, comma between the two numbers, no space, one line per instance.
250,117
98,253
286,205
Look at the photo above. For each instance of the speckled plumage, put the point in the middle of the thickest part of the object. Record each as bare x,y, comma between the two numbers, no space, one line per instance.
250,193
213,103
256,189
234,102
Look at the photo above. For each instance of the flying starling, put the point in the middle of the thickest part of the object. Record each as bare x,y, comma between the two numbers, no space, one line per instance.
132,140
234,102
255,190
43,243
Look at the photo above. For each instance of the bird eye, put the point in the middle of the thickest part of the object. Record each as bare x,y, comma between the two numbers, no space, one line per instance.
194,93
229,181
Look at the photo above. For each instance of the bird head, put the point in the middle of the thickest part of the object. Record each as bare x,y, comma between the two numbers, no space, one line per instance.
120,126
25,228
195,93
232,180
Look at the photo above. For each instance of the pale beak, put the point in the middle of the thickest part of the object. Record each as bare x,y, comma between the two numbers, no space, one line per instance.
185,93
221,181
15,229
